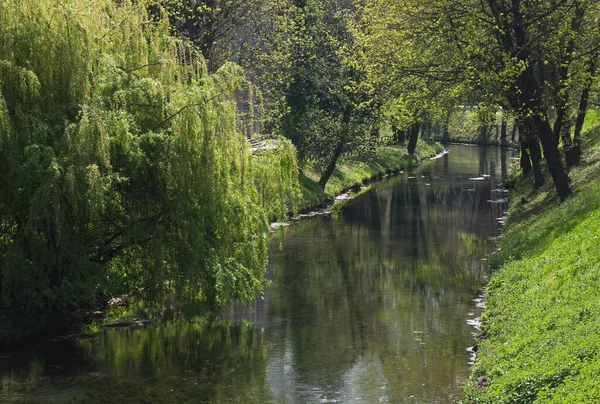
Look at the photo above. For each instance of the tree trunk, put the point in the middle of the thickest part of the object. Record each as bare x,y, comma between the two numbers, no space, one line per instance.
575,156
531,144
402,137
399,136
530,103
332,163
562,130
412,141
553,159
562,127
525,159
339,148
536,157
503,133
446,135
540,125
483,133
514,132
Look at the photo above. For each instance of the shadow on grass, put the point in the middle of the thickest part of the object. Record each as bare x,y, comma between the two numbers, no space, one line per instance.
543,217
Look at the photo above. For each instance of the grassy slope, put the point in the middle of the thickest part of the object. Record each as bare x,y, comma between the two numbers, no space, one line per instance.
543,318
353,171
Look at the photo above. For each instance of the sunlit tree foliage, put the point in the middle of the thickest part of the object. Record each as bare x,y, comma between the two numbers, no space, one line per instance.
123,163
533,58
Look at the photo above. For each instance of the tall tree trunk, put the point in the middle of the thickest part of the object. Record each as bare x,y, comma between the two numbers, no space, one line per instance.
514,132
339,148
575,156
412,141
503,132
561,130
531,143
553,158
540,125
446,135
332,163
525,159
399,136
483,133
402,137
536,157
562,127
530,103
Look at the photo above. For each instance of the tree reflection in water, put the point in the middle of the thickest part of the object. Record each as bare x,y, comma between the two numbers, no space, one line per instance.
366,306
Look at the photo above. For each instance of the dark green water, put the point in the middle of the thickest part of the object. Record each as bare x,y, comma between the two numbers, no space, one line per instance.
376,304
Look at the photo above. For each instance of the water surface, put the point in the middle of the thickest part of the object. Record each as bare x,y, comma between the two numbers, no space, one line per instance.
378,303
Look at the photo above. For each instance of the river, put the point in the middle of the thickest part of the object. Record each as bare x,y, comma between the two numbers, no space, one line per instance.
379,302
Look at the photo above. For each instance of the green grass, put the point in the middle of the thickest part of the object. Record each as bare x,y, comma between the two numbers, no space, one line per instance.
312,193
354,171
542,325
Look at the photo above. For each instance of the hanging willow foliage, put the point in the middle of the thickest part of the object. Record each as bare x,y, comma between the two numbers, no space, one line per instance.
122,165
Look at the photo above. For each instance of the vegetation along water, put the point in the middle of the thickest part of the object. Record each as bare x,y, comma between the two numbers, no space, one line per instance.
147,145
377,303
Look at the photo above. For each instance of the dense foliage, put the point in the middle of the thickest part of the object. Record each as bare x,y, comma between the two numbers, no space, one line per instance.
534,59
124,165
123,159
297,52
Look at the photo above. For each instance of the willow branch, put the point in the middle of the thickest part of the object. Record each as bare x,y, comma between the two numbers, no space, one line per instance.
139,67
167,119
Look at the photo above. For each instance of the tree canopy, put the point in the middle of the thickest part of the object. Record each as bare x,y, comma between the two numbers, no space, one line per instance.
533,58
123,165
124,160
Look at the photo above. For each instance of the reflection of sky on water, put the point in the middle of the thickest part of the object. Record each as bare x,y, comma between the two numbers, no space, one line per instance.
393,281
363,382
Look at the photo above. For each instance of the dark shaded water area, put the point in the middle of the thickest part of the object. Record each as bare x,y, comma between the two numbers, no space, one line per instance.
378,303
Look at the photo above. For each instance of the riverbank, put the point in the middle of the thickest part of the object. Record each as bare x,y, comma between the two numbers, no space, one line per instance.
541,335
397,267
352,172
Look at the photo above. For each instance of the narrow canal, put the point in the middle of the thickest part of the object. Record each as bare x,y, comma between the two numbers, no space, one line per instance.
378,303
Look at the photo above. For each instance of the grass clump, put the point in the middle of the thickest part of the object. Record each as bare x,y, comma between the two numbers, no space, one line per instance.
542,324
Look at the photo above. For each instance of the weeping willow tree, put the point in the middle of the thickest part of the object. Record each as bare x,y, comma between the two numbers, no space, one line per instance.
122,166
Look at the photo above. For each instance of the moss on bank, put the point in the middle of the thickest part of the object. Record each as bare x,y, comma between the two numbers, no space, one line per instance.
542,323
356,170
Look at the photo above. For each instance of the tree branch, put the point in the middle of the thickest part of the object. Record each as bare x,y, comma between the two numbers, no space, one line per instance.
167,119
